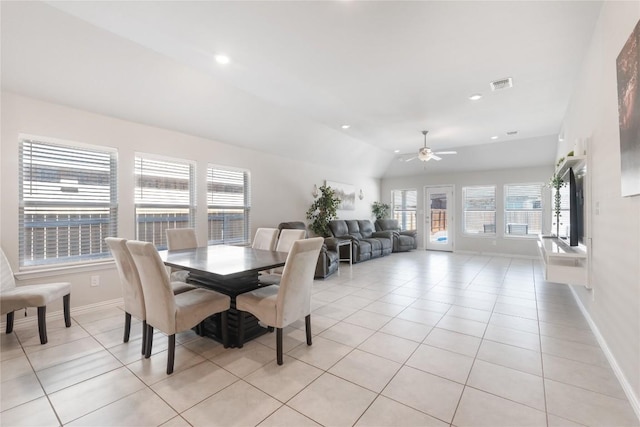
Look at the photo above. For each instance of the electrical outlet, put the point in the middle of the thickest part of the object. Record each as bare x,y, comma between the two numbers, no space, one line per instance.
493,242
95,280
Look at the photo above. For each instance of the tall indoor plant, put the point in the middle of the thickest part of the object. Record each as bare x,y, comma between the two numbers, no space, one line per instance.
380,210
323,210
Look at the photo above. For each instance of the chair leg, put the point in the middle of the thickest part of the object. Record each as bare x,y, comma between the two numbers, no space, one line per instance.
279,345
240,342
66,303
307,327
171,353
144,337
224,325
127,327
149,341
42,324
10,322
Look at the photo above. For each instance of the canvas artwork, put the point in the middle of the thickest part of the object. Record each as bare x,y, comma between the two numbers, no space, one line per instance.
628,68
346,193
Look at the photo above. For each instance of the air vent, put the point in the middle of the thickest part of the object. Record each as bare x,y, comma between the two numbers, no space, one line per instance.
513,132
501,84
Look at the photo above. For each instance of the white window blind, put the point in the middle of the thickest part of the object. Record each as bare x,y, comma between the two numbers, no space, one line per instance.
479,204
68,202
523,209
229,205
405,203
164,197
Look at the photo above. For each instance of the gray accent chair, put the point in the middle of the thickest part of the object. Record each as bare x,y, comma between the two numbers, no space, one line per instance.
402,240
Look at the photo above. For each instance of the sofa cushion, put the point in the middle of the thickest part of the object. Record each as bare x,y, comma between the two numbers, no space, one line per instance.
354,228
338,228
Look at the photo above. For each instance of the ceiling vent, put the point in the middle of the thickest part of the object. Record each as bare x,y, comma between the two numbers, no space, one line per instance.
513,132
501,84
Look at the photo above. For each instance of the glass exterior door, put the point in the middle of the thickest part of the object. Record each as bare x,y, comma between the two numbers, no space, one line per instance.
439,218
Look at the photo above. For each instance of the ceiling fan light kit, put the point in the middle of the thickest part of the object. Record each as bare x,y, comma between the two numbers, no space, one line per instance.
425,153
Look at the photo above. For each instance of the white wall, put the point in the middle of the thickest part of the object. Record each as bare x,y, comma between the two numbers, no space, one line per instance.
495,244
281,188
614,302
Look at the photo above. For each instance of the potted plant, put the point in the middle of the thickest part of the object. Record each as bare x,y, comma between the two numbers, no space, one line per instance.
557,183
380,210
323,210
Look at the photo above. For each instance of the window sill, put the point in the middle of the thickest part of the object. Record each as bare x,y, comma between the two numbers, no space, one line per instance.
521,236
480,235
63,270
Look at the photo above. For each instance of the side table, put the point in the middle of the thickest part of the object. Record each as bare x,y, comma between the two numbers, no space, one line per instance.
339,245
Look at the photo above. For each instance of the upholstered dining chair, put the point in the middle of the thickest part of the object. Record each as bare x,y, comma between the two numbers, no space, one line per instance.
132,293
285,242
14,298
178,239
279,306
265,238
171,313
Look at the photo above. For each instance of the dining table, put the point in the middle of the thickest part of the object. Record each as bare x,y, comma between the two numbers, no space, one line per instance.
230,270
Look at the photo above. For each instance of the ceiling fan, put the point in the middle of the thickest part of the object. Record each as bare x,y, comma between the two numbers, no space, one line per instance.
425,154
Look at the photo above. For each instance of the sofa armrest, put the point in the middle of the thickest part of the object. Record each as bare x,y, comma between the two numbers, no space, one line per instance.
331,243
387,234
412,233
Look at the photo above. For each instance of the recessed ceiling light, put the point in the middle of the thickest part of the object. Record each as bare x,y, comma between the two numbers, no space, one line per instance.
222,59
396,151
475,96
346,126
494,137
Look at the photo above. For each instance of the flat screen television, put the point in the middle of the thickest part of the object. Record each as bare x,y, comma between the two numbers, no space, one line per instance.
576,209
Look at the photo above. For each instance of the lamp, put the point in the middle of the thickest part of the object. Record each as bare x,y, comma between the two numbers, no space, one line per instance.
361,195
314,193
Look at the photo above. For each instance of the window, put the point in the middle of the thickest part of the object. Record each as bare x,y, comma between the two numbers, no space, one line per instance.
68,202
479,209
229,205
404,208
523,209
164,197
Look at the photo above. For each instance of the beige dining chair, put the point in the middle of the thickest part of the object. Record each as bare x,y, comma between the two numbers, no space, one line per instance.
14,298
179,239
279,306
171,313
285,242
132,293
265,238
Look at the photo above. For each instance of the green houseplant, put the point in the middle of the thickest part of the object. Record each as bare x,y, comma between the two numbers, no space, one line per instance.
380,210
323,210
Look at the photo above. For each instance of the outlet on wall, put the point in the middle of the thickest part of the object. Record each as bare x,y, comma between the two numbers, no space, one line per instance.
95,280
493,242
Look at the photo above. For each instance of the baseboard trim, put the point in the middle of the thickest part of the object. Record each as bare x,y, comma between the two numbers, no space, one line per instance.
21,320
628,390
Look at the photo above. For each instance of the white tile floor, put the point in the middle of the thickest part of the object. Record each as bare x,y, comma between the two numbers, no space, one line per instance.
420,339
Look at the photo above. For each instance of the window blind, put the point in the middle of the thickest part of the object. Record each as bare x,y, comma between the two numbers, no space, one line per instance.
164,197
479,205
229,205
523,209
68,202
405,204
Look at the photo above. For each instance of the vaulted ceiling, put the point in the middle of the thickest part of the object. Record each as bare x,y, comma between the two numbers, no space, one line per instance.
298,71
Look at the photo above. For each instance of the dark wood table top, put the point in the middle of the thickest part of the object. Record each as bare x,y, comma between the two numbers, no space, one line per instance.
222,261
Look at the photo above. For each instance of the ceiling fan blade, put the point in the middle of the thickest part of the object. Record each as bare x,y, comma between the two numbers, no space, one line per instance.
409,159
446,152
434,157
